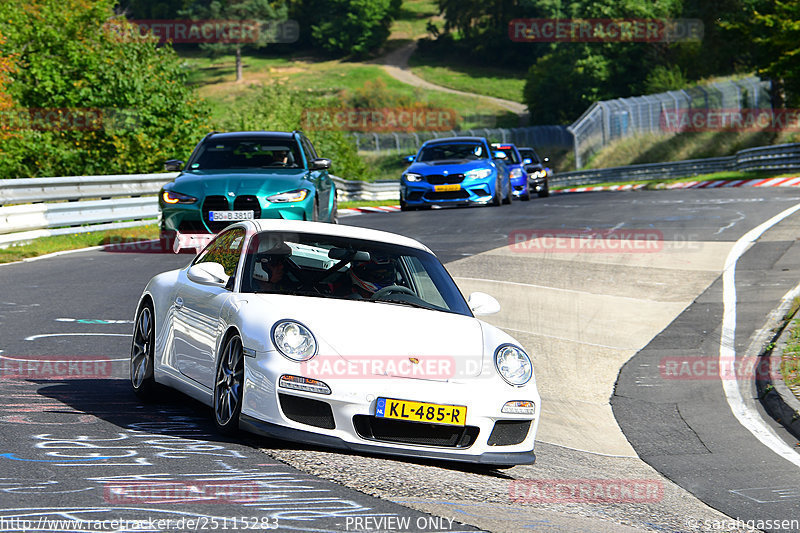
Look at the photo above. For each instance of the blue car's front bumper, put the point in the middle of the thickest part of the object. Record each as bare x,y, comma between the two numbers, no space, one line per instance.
468,191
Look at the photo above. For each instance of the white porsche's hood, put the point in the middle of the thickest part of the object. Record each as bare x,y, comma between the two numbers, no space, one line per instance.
359,331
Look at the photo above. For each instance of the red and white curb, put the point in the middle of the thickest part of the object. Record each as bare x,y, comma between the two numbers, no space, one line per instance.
377,209
628,187
705,184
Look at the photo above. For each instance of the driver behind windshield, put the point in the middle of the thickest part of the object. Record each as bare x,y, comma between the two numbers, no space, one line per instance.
370,276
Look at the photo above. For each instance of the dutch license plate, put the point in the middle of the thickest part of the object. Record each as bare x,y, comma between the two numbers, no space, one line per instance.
222,216
453,415
445,188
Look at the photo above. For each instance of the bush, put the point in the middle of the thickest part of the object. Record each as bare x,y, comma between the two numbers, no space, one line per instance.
70,59
278,108
347,27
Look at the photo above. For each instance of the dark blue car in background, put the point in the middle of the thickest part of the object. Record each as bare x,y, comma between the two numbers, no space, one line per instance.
516,170
455,171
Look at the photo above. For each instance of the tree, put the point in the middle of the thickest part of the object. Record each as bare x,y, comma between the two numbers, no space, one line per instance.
261,12
131,93
347,27
775,31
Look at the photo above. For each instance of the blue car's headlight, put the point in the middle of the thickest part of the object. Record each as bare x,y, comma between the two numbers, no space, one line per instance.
411,176
513,364
292,196
516,173
478,173
294,340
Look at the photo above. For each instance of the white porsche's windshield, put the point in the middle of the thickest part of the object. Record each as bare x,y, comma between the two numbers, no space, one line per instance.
306,264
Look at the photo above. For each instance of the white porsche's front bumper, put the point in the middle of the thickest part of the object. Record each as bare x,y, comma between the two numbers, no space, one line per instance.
351,423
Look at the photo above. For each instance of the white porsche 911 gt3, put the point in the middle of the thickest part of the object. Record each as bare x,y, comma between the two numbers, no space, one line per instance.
337,336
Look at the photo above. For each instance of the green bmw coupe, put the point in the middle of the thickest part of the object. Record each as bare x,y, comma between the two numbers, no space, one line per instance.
246,175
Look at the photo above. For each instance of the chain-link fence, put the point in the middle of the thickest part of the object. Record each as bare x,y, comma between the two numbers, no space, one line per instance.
540,137
613,119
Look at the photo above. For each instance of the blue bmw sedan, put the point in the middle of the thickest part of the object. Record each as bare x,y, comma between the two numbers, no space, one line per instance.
455,171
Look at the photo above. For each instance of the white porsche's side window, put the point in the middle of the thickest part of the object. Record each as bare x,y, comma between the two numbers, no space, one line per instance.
225,250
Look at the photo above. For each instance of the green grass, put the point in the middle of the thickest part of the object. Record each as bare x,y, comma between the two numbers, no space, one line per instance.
500,83
412,20
652,148
790,359
367,203
215,82
59,243
385,166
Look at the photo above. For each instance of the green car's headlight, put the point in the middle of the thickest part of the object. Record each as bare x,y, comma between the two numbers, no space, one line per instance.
513,364
292,196
172,197
479,173
294,340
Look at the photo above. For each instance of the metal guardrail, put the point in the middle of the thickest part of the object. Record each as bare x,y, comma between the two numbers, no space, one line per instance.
778,158
39,207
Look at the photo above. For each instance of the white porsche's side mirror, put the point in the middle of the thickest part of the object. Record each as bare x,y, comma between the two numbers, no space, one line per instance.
482,304
208,274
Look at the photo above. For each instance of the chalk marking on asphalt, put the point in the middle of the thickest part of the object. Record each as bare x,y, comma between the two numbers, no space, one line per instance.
568,340
35,337
727,349
572,291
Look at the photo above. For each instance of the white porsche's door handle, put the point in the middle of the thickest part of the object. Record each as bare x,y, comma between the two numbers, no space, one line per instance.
178,302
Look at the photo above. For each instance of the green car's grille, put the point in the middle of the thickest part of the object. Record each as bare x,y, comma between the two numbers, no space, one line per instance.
215,203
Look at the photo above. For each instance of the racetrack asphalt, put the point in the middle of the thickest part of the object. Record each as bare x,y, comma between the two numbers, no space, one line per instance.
578,314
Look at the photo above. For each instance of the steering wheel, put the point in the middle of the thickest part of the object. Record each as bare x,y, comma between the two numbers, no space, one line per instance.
390,289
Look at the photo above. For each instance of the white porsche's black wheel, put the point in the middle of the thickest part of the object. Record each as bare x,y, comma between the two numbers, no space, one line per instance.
228,386
142,349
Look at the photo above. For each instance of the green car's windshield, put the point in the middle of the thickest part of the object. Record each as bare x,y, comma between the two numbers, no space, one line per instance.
325,266
244,153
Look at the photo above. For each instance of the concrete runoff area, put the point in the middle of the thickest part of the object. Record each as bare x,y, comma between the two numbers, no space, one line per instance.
579,337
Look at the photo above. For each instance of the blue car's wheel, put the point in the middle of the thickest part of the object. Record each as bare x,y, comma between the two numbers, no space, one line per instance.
497,199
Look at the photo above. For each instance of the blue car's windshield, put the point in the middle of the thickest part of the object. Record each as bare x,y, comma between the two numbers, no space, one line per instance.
308,264
511,154
453,151
243,153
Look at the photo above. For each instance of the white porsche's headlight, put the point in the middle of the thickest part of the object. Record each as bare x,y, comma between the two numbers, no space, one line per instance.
513,364
294,340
